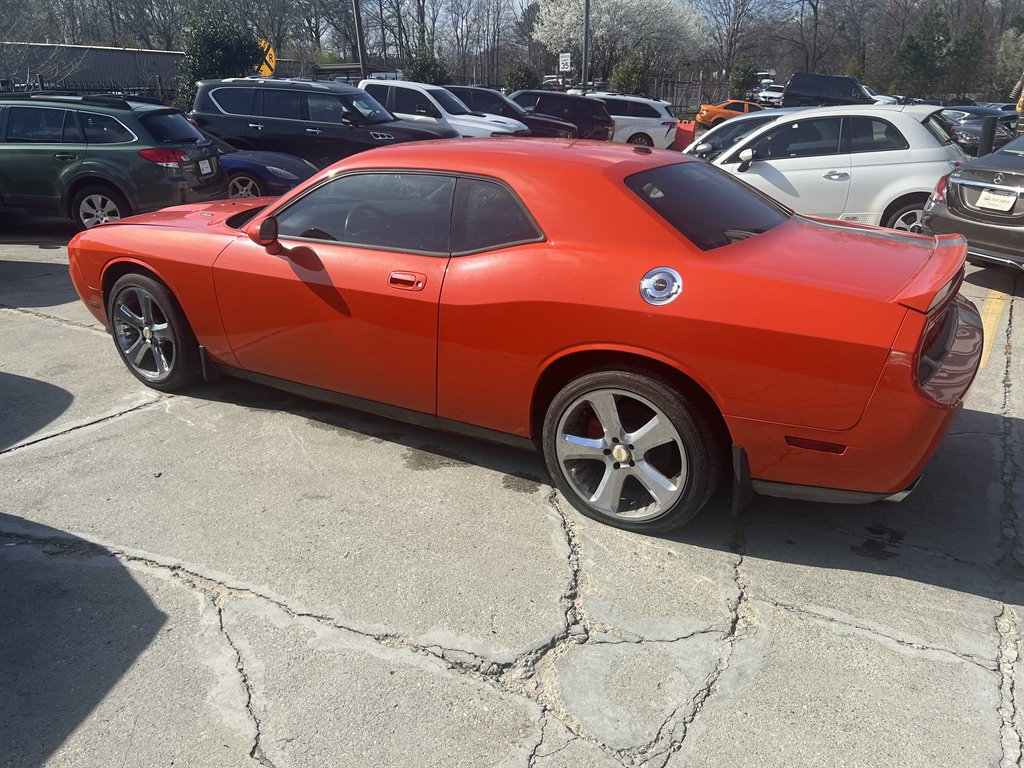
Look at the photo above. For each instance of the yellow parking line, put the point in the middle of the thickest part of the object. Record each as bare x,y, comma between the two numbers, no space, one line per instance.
991,314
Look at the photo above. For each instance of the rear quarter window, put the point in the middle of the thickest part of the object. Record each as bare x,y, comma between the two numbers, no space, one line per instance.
171,128
234,101
707,206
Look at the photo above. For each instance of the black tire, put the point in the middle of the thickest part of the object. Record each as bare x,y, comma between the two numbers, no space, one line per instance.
717,121
244,185
641,140
155,342
97,204
692,461
902,219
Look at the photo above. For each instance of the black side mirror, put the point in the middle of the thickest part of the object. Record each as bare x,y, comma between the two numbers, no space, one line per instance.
426,109
350,120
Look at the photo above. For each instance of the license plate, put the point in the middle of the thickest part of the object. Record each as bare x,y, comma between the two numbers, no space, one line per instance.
996,201
205,168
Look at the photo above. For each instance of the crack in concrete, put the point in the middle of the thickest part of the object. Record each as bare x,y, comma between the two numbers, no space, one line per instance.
1011,525
1012,741
142,406
53,318
256,753
988,665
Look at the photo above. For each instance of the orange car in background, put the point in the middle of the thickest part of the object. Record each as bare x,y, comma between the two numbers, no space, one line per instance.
713,114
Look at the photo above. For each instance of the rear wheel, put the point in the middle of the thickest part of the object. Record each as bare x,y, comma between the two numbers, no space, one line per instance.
152,335
631,451
641,139
908,218
96,205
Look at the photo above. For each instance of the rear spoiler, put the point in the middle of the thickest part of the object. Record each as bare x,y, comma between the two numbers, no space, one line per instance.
938,277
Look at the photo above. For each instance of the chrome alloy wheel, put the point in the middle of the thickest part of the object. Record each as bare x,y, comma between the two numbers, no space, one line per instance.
143,334
910,221
621,454
97,209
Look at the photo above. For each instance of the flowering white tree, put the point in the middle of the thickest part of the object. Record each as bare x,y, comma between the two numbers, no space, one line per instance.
662,32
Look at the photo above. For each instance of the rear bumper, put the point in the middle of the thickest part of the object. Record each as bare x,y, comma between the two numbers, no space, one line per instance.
886,452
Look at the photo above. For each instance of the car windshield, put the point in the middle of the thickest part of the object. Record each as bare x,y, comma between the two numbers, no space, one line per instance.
171,128
1015,147
367,106
705,204
448,102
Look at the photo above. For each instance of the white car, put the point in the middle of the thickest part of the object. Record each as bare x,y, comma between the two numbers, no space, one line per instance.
771,95
646,122
431,103
872,164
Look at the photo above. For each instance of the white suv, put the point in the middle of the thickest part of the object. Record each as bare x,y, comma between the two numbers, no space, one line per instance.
870,164
438,106
647,122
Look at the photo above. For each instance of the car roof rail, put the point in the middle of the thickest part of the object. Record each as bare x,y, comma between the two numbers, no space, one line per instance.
35,94
128,97
118,102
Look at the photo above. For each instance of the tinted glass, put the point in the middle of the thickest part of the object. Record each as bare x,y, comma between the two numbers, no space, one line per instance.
809,86
407,99
708,206
639,109
171,128
734,106
35,125
391,211
868,134
492,103
487,215
103,129
802,138
753,108
584,110
325,108
72,133
727,134
843,89
379,92
367,106
236,101
283,104
616,106
939,127
526,100
448,102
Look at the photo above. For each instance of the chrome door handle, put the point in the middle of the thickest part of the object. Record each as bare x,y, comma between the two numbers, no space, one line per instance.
836,175
257,126
65,156
317,131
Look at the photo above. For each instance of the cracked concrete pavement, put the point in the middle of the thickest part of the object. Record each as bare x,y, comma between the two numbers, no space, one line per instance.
239,577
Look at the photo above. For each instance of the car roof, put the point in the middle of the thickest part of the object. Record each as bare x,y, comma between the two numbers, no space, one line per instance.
917,111
404,84
547,93
110,103
284,83
623,96
512,158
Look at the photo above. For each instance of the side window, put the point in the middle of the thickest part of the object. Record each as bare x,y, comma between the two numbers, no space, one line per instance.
390,211
841,89
734,106
234,101
639,109
580,110
548,104
72,133
324,108
616,106
103,129
868,134
527,101
485,102
283,104
487,215
811,86
407,99
35,125
378,91
753,108
804,138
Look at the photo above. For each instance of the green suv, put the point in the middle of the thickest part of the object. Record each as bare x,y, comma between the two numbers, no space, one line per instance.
101,158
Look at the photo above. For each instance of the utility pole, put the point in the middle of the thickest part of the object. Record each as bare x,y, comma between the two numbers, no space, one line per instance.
360,42
586,43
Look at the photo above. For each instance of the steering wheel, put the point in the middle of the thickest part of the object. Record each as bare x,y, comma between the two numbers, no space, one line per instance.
364,217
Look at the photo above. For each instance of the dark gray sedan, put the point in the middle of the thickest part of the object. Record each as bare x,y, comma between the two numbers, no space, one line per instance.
984,201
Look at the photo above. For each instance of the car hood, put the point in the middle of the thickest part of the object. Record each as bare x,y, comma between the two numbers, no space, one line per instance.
486,122
287,162
875,263
411,130
198,216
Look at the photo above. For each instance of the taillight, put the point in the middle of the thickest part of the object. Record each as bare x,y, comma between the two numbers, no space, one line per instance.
168,158
939,195
937,338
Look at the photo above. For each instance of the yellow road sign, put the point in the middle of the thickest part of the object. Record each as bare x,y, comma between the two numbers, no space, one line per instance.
266,67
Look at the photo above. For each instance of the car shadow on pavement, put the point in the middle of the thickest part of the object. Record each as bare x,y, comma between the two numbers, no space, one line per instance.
1004,279
43,231
34,284
27,405
951,532
74,622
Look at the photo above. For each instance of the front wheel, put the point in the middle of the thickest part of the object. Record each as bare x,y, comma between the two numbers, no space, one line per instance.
152,335
909,218
631,451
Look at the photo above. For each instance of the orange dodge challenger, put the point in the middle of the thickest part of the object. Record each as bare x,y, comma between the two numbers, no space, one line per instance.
644,319
712,114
